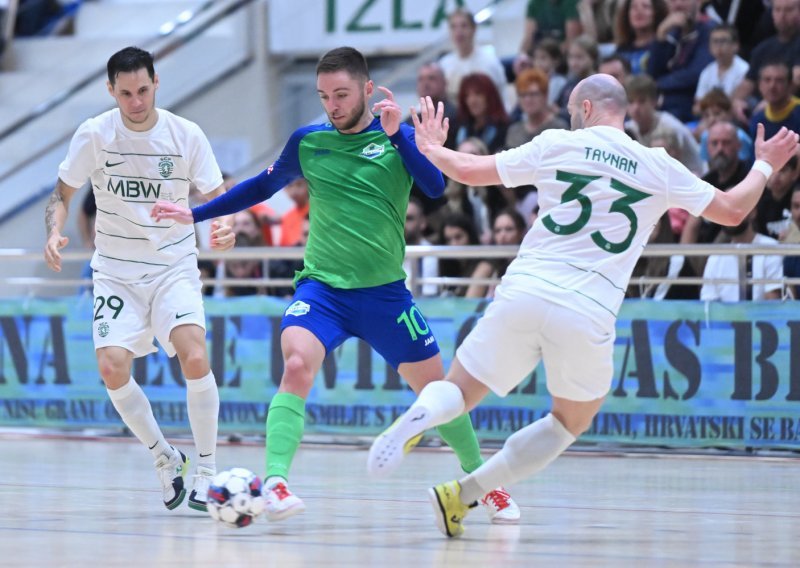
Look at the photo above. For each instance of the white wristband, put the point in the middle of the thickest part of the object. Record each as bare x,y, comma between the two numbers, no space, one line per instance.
763,167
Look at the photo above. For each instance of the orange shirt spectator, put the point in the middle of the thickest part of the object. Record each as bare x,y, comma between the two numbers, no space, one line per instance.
292,220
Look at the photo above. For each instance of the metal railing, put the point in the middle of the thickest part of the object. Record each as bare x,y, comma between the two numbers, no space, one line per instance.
416,281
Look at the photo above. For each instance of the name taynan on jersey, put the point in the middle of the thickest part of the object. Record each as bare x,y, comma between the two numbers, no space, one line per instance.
134,188
615,160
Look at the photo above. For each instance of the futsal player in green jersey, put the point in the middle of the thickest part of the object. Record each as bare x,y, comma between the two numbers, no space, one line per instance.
360,167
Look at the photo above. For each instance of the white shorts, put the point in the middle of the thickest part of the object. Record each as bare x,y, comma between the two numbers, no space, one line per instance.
519,329
129,314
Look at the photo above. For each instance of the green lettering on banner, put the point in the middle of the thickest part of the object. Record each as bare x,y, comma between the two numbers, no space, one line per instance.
330,16
398,22
355,25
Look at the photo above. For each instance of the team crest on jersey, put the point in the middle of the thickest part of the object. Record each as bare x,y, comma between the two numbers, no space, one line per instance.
372,151
165,166
298,309
103,329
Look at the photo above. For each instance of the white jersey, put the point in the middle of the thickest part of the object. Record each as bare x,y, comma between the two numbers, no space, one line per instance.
600,195
128,171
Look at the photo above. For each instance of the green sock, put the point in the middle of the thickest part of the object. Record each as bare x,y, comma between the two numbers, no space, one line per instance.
285,421
460,436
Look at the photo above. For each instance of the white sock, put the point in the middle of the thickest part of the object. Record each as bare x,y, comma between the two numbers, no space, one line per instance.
271,482
135,411
202,401
444,402
525,452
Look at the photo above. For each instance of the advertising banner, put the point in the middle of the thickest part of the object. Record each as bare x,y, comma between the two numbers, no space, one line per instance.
686,374
376,27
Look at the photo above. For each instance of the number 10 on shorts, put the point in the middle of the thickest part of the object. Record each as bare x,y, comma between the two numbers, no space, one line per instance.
415,323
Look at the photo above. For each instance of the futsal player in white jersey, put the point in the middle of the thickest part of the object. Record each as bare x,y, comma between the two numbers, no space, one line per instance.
600,195
146,281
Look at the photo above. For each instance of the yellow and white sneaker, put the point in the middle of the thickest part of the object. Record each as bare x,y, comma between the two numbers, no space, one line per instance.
448,510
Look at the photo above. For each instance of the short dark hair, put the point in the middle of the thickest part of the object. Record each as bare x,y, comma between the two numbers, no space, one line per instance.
129,60
624,61
732,32
641,86
344,59
777,62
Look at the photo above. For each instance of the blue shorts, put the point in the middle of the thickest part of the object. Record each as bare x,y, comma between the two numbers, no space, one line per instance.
383,316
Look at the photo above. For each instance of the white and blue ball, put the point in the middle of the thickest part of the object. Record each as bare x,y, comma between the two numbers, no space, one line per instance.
234,497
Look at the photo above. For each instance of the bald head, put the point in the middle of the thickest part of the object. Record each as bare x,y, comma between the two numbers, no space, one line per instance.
598,100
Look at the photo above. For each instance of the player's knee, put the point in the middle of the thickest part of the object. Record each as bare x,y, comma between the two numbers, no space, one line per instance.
296,370
194,363
113,370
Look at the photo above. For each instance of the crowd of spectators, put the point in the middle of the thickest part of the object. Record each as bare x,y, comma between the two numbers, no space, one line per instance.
699,76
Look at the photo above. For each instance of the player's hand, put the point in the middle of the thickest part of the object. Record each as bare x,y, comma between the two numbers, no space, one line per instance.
168,210
777,150
430,127
390,112
51,247
222,236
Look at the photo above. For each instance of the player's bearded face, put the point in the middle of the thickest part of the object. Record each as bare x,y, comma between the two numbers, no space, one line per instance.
350,119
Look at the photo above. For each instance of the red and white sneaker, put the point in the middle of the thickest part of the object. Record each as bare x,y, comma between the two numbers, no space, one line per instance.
500,507
281,503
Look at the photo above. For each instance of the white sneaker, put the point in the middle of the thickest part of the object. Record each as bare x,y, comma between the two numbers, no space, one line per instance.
391,446
199,495
500,507
281,503
171,469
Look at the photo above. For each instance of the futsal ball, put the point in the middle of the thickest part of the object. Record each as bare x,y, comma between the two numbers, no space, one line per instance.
234,497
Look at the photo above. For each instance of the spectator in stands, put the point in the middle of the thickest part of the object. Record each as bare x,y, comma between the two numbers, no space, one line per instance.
250,268
457,230
674,266
679,55
537,115
791,264
508,228
727,70
292,220
467,58
432,83
548,58
781,108
553,19
481,113
582,61
773,212
748,17
287,267
725,171
758,266
426,266
597,19
647,122
617,66
715,107
635,30
785,45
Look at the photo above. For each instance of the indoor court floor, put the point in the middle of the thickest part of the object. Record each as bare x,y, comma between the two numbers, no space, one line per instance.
68,502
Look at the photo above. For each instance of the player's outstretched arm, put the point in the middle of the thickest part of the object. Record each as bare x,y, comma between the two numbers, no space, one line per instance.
168,210
430,131
54,218
731,207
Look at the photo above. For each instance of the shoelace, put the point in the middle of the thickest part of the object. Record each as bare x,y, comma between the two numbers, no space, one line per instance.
499,499
281,491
